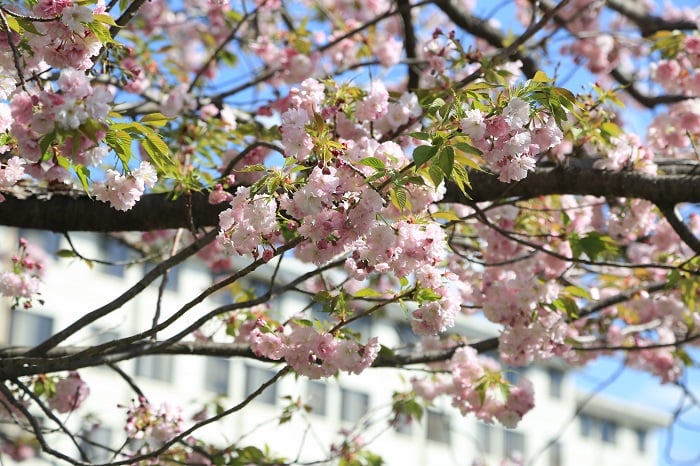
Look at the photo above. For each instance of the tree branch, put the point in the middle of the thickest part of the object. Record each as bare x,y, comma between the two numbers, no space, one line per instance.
674,219
648,24
482,29
647,100
64,358
154,273
77,212
409,41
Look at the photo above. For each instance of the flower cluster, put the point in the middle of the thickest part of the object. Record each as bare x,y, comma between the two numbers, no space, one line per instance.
311,353
676,129
11,173
474,393
144,421
248,223
19,450
680,74
22,283
67,43
76,111
69,394
476,386
511,140
122,192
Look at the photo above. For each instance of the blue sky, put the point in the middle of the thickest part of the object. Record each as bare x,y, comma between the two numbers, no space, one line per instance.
678,445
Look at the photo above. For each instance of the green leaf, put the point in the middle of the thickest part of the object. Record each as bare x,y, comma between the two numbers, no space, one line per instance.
157,150
38,388
461,178
14,24
690,293
398,198
27,25
155,119
373,162
436,103
120,141
673,277
426,294
422,154
84,177
386,352
446,160
445,215
611,129
104,18
420,136
684,357
65,253
46,142
593,244
367,293
578,292
467,148
101,32
541,77
568,306
436,175
63,162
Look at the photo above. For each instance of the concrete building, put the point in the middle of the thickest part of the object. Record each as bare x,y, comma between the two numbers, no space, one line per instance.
567,427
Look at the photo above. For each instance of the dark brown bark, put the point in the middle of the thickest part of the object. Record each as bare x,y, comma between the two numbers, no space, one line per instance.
61,212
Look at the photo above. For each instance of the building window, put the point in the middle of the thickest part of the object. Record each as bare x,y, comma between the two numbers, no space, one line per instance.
255,377
116,253
484,438
607,431
512,375
102,336
407,336
156,367
96,444
216,372
403,424
316,397
513,444
555,454
28,328
353,405
438,427
556,381
46,240
641,435
173,276
587,424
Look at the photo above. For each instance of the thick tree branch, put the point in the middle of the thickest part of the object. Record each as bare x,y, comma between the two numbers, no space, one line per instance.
63,358
648,24
77,212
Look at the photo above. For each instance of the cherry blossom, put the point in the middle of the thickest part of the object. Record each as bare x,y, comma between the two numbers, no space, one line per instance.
71,392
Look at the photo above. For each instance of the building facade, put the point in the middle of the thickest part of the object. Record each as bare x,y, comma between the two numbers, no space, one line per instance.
567,427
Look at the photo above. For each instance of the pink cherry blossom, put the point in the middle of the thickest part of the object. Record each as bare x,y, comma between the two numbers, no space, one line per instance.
247,222
71,392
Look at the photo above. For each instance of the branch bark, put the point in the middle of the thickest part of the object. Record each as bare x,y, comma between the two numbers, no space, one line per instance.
14,363
77,212
648,24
